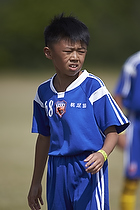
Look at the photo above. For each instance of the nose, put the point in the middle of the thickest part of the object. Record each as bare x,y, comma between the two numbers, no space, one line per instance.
74,56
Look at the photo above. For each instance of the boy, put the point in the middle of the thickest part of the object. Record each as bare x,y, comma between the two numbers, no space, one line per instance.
77,121
127,96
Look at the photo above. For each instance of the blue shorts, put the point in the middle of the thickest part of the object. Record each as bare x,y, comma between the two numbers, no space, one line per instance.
70,187
132,152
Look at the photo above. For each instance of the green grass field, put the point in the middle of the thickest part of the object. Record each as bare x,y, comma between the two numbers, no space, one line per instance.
17,143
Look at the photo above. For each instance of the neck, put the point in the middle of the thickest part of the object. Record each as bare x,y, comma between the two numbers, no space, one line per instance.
61,83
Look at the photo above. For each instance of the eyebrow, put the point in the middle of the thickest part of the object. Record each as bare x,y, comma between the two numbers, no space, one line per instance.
79,48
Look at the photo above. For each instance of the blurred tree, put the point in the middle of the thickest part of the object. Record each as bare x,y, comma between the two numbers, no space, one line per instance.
114,29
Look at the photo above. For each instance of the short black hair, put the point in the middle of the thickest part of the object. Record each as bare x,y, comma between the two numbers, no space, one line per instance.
69,27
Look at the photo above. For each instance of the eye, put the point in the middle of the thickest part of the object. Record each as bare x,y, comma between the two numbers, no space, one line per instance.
82,51
67,51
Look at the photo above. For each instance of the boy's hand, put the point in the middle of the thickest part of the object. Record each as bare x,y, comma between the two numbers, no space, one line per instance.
94,163
35,198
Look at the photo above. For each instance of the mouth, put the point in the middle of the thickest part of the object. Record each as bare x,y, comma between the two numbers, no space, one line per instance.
73,66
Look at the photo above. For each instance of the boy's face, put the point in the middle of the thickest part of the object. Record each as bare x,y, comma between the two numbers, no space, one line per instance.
68,57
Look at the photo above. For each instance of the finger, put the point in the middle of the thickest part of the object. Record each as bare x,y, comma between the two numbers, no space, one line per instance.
93,170
90,162
41,200
96,170
88,158
91,167
34,205
37,205
31,203
31,206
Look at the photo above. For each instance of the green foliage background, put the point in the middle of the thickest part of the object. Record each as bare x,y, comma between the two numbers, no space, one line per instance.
113,25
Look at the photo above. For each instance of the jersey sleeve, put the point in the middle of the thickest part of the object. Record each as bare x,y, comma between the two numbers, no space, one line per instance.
107,112
40,122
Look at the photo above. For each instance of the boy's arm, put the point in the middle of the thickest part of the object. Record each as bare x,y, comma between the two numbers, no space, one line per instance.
95,161
122,137
41,155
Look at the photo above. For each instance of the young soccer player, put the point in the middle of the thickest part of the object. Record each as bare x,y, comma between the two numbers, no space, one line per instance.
127,96
77,122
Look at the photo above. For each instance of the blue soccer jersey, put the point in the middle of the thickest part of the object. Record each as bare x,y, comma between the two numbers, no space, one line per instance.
128,88
129,83
77,118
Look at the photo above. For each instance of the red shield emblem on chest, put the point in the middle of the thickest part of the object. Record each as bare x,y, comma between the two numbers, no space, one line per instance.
60,107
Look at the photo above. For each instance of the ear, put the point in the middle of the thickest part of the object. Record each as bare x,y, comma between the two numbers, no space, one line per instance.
47,52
